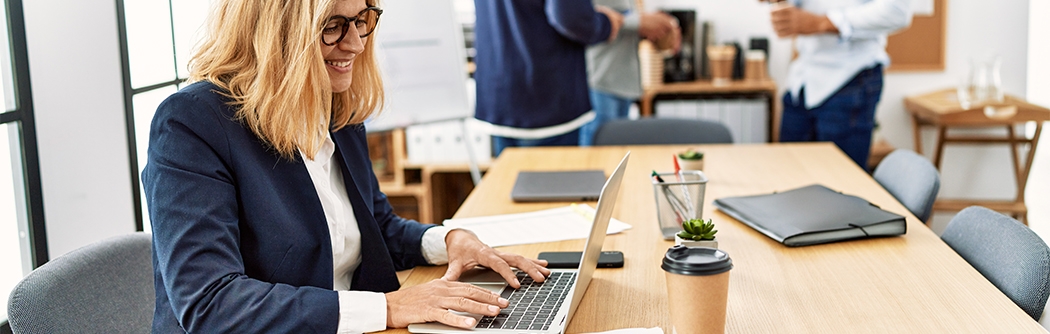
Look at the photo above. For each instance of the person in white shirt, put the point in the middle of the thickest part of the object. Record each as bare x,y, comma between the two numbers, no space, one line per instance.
835,83
267,215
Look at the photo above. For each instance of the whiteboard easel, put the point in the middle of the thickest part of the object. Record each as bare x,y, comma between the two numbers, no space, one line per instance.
422,58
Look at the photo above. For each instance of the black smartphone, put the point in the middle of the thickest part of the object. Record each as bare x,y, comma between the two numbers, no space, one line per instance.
607,259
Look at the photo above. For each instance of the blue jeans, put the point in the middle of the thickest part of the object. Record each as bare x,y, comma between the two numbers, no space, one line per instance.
568,139
846,118
607,107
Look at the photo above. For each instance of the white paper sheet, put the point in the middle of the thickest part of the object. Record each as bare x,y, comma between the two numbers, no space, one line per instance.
564,223
922,7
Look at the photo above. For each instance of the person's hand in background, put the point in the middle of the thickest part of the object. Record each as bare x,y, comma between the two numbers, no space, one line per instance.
790,21
465,252
656,25
661,28
615,18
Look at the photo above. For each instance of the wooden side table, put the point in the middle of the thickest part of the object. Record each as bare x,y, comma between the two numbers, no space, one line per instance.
706,89
942,110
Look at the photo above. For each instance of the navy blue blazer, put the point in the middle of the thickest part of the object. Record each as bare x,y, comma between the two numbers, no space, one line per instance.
240,240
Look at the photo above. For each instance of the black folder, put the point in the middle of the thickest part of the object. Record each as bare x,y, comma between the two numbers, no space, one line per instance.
812,215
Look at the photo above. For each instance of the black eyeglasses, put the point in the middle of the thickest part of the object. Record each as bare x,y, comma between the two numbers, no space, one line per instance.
335,29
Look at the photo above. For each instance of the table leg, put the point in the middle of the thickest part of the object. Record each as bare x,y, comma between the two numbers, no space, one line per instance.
1031,155
1022,181
774,118
917,133
1014,142
1018,169
646,103
938,150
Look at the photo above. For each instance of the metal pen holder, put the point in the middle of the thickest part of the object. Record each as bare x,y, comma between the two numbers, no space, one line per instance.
678,200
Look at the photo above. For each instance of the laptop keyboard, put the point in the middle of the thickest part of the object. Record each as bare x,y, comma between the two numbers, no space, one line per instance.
533,305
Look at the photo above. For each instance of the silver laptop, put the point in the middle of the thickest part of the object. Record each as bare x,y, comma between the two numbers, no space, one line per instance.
532,186
543,307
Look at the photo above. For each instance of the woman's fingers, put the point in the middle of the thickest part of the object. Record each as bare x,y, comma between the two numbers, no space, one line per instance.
467,298
477,294
463,304
501,267
534,268
449,318
466,251
454,270
433,300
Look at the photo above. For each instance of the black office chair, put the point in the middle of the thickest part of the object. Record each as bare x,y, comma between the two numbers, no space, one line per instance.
912,179
105,287
1006,252
660,131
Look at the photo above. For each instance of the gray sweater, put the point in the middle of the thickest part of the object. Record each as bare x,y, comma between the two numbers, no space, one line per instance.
612,67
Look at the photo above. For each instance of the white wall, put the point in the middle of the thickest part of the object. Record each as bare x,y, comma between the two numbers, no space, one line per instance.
1038,190
74,63
976,30
1039,53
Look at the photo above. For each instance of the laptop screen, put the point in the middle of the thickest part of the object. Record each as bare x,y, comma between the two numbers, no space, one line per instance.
593,248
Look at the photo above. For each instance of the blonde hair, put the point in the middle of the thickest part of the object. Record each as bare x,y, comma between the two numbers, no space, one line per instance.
266,56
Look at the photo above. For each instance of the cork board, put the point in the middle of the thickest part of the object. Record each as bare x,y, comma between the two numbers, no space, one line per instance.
920,47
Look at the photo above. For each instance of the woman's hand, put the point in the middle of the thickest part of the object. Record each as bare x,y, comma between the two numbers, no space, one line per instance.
465,252
433,300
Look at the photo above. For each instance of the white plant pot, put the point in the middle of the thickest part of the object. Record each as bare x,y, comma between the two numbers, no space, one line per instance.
690,164
693,243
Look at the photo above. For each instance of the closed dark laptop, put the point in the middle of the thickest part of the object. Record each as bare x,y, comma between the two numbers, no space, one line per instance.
558,186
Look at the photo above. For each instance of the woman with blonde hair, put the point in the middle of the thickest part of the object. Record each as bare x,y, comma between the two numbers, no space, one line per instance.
266,214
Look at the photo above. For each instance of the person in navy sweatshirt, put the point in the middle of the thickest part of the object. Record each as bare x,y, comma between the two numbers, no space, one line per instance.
531,72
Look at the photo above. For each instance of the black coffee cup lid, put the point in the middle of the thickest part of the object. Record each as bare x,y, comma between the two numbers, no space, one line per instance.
696,261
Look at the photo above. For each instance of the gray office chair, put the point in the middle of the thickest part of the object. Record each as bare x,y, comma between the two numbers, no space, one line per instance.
105,287
910,178
1006,252
658,131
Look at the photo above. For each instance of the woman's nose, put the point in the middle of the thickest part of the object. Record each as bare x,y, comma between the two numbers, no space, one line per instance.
353,42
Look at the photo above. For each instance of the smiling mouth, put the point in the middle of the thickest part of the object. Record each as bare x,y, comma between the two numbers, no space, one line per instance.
339,64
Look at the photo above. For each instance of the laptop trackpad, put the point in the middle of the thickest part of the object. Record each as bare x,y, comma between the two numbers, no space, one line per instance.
484,278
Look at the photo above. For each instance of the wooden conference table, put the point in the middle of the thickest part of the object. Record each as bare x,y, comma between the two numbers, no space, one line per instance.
909,284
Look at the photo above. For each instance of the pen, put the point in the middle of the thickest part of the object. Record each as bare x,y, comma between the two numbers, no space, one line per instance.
676,204
685,189
670,194
656,176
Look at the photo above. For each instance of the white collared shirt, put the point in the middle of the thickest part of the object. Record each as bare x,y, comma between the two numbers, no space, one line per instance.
827,62
359,311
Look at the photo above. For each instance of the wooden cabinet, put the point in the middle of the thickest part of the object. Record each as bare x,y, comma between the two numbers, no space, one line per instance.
429,193
654,89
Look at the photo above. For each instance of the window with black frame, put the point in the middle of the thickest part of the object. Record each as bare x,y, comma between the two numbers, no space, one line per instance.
157,38
23,245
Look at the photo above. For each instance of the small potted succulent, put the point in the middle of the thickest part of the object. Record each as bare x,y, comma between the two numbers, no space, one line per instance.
691,160
697,233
